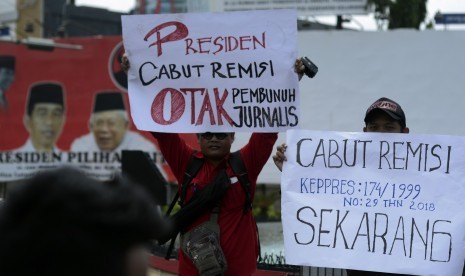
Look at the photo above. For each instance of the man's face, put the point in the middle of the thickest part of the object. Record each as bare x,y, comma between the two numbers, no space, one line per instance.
215,146
381,122
109,128
44,125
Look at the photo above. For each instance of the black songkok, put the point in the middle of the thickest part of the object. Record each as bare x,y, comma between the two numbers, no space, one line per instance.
44,93
105,101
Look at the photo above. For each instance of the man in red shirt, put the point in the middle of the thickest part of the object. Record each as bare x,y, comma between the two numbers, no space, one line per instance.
238,232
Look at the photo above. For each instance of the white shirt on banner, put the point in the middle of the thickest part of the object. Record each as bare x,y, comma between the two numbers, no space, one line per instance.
132,141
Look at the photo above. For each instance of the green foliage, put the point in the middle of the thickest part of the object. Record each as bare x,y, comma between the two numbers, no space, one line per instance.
273,214
430,25
264,205
407,14
400,13
176,208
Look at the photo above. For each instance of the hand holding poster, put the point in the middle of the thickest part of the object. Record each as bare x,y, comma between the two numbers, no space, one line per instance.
213,71
374,201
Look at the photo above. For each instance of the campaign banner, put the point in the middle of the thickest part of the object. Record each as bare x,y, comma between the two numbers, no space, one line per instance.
374,201
66,103
219,72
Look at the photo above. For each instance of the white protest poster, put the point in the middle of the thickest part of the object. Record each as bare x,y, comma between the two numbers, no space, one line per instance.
231,71
374,201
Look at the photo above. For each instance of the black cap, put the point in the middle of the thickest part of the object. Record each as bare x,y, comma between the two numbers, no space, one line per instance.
105,101
390,107
44,93
7,62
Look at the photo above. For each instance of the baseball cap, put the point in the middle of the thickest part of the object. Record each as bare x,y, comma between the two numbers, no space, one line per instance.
390,107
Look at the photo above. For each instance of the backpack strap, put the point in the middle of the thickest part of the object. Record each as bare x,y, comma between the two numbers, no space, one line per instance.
192,168
238,166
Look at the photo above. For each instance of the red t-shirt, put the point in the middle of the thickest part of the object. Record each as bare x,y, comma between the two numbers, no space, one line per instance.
238,232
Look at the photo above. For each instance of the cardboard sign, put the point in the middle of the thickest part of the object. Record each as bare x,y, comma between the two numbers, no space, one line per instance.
215,72
374,201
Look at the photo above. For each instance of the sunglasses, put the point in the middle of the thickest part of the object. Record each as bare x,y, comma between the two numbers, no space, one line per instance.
209,135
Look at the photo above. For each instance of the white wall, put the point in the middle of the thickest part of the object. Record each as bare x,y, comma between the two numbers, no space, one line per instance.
424,71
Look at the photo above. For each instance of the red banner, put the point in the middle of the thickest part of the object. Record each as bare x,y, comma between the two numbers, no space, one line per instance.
51,112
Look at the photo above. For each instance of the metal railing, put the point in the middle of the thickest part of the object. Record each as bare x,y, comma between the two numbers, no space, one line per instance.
271,262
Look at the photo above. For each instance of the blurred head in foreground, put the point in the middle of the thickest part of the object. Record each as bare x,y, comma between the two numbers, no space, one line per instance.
61,222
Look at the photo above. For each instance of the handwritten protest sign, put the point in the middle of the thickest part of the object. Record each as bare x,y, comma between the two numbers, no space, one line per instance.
213,71
374,201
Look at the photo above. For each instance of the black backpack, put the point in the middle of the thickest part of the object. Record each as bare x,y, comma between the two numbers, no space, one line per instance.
194,165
